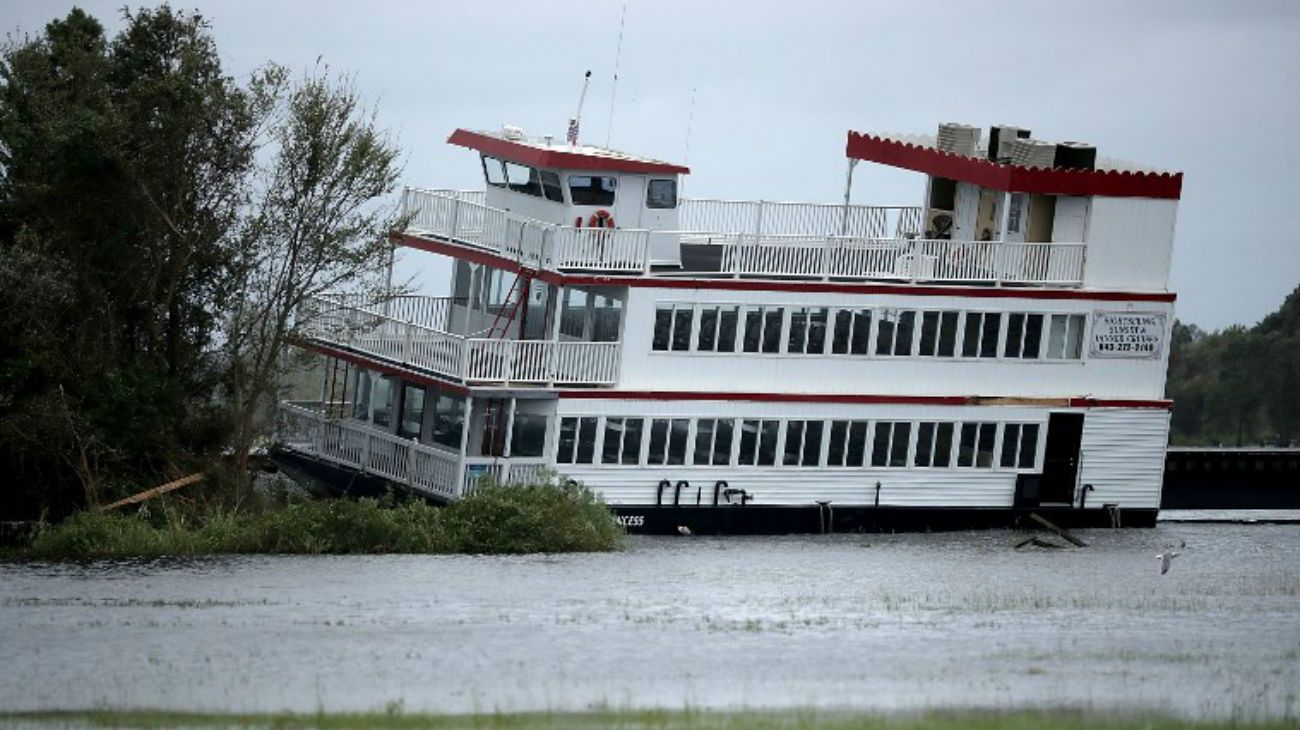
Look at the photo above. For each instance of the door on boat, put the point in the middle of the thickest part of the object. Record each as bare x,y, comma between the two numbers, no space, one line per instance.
1061,458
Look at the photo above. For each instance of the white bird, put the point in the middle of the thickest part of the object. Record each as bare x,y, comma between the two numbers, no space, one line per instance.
1165,559
683,530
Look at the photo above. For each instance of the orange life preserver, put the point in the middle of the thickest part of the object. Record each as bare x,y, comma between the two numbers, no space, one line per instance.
600,219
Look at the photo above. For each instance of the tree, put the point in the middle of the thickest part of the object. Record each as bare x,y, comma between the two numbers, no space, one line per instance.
317,226
122,173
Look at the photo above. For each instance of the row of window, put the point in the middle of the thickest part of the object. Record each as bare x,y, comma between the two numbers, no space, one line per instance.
583,189
882,332
638,441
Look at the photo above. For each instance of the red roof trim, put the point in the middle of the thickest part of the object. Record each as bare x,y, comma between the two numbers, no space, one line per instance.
526,154
823,287
1013,178
384,368
927,400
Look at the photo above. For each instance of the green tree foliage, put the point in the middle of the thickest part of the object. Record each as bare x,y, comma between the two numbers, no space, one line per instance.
159,222
1240,386
123,167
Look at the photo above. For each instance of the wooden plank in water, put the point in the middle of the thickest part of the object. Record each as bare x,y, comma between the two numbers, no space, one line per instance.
151,493
1059,531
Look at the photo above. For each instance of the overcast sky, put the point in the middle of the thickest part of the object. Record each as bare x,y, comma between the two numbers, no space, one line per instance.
1211,89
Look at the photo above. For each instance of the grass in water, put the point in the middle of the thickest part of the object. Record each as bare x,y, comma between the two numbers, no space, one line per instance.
548,517
1052,719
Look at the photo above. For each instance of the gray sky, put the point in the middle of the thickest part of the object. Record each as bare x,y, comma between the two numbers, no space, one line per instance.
1212,89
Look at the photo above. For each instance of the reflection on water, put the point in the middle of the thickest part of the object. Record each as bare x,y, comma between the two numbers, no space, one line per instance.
875,621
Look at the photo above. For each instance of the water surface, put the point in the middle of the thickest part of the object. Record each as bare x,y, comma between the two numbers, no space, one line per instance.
880,622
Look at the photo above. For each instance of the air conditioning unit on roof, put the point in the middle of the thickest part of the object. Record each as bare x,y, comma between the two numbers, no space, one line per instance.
959,139
1030,152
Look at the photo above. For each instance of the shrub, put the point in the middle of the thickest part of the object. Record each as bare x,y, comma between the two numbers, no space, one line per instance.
547,517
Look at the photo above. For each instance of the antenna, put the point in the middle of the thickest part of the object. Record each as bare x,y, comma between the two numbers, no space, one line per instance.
690,122
577,117
618,57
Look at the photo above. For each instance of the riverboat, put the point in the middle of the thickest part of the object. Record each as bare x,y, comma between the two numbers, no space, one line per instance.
754,366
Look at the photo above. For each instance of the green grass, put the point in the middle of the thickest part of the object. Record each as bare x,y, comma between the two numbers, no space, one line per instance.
1054,719
548,517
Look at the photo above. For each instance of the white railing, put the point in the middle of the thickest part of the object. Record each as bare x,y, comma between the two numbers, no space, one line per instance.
472,360
502,471
907,259
758,238
764,218
600,249
424,468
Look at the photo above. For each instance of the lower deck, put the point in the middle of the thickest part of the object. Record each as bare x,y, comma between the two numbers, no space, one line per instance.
640,450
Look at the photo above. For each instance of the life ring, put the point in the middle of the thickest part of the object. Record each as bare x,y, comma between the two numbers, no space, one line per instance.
600,219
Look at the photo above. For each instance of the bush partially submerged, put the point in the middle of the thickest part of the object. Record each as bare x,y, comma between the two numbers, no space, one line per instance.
547,517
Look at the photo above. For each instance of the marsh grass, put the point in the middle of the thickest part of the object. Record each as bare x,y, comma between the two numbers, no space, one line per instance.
797,719
547,517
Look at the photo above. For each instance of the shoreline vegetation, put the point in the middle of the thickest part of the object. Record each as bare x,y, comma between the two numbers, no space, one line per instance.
686,719
550,516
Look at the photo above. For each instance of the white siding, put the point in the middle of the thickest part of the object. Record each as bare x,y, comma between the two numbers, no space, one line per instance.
645,369
1123,456
1130,241
1071,222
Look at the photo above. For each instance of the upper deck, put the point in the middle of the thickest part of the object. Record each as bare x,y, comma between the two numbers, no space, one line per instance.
561,208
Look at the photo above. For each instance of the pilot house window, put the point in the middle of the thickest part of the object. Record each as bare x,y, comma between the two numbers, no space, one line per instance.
660,194
592,190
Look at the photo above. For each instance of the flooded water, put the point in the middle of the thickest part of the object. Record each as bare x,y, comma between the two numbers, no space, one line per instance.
880,622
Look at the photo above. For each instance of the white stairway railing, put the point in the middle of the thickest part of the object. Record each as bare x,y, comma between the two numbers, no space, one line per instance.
332,319
424,468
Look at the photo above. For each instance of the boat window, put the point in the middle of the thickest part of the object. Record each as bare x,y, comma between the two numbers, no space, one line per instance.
622,441
713,441
976,444
851,332
668,441
758,442
1065,337
573,314
803,443
448,420
807,330
848,443
412,412
551,186
528,434
890,444
577,442
592,189
763,329
894,332
523,179
361,385
383,402
717,329
1019,445
981,336
933,444
1024,336
493,173
938,334
606,316
661,194
673,327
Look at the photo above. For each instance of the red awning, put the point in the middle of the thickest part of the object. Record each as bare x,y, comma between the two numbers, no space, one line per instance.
1013,178
579,158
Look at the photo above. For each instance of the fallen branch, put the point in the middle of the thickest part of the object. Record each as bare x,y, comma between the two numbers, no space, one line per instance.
1058,530
151,493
